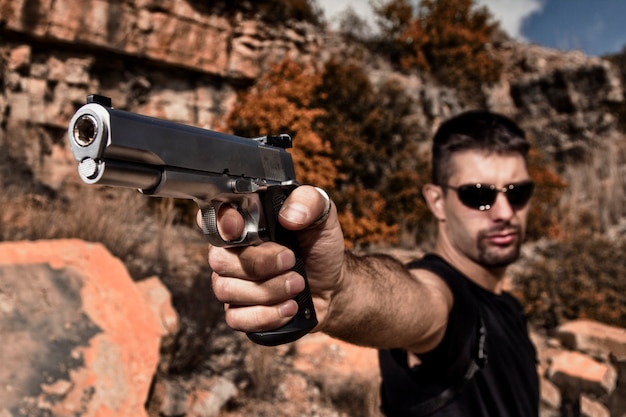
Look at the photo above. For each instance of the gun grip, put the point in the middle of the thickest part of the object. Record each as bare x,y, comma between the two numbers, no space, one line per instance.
305,320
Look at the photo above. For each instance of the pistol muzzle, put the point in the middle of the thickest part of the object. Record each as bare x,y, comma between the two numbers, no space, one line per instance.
85,130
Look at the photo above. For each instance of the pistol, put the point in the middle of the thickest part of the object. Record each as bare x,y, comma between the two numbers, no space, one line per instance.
166,159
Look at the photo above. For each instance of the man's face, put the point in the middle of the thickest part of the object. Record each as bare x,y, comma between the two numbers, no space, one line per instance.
491,238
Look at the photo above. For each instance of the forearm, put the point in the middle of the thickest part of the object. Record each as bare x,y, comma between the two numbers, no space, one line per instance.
379,303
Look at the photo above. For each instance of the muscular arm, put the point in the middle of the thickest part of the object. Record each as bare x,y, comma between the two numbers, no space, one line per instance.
369,300
380,303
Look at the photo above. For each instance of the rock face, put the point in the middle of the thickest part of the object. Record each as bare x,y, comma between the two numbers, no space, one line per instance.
177,32
83,341
78,337
173,59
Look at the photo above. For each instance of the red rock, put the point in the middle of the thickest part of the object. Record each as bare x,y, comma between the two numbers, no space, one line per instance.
594,338
78,337
321,353
159,300
550,395
576,373
19,57
592,408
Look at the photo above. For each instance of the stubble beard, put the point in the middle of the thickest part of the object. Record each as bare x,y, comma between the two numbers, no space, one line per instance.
498,256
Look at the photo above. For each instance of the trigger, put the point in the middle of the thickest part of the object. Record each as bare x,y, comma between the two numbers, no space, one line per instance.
209,221
211,230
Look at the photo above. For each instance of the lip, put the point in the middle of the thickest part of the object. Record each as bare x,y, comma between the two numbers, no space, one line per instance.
502,238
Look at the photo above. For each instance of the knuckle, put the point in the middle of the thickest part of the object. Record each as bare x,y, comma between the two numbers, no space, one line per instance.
221,288
262,266
221,261
262,261
232,320
215,259
252,318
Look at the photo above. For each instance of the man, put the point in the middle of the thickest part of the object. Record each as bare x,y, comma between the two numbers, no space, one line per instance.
452,342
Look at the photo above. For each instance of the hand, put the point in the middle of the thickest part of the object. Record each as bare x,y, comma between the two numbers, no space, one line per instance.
256,283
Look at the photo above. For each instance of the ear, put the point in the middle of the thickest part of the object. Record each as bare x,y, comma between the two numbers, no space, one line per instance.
433,194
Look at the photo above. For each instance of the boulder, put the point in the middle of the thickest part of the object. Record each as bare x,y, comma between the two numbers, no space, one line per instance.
594,338
574,373
78,337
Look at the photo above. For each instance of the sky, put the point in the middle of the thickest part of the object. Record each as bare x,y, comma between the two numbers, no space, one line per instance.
595,27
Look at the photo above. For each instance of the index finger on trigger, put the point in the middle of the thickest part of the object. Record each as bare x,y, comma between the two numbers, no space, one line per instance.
230,223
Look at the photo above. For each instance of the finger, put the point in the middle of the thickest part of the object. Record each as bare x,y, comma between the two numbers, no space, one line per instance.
260,318
230,223
304,207
251,262
273,291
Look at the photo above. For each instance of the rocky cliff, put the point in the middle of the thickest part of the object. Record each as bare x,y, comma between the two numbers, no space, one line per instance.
170,59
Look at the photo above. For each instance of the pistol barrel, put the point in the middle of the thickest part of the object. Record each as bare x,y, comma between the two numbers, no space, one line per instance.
167,159
162,158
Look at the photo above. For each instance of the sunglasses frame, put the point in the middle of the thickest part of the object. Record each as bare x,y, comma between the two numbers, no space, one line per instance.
485,205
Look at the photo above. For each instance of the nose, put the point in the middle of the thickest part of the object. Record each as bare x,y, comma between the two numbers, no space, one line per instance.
501,209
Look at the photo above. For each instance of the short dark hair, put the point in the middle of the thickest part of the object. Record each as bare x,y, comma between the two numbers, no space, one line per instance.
478,130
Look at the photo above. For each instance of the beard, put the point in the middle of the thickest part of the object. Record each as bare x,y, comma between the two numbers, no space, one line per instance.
495,256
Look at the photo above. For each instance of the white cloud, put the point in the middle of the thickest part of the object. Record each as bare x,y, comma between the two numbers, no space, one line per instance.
332,8
510,13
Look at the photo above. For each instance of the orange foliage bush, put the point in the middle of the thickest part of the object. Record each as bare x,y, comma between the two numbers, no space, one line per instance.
448,38
367,149
280,102
372,134
359,217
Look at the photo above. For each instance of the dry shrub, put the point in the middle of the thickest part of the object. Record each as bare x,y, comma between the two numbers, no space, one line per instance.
141,232
448,38
356,396
583,276
265,370
118,218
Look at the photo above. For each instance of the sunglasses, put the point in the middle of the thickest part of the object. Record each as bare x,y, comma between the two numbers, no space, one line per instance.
483,196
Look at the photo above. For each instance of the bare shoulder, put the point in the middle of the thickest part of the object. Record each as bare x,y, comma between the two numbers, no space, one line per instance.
435,285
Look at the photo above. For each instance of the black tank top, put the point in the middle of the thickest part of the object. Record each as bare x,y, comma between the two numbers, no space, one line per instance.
448,381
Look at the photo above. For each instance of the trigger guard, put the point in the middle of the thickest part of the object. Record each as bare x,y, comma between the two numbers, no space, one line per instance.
211,231
250,235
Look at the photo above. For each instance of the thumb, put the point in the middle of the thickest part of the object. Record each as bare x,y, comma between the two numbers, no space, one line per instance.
307,206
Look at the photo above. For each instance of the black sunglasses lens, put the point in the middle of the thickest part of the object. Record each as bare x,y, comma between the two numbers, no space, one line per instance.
520,195
481,197
476,197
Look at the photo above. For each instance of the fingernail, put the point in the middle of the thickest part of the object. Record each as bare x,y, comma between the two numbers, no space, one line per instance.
295,213
294,285
231,228
286,260
288,309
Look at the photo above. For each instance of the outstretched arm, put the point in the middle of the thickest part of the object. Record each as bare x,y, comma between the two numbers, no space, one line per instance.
370,300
